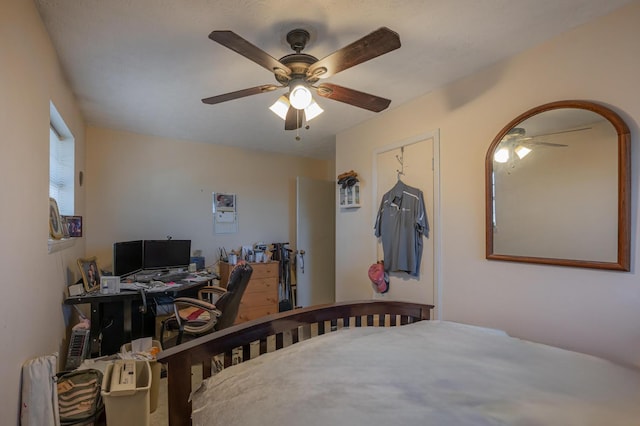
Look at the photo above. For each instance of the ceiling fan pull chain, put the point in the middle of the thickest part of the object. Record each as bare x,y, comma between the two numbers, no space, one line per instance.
297,127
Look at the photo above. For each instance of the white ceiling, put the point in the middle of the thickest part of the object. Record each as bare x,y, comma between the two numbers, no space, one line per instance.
144,65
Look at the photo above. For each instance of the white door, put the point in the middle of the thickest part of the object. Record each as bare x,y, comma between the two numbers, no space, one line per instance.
315,270
414,162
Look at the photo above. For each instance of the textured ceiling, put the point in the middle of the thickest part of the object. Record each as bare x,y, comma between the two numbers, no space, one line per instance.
144,65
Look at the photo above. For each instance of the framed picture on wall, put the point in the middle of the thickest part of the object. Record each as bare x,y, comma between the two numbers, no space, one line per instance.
90,273
56,230
224,202
225,218
74,225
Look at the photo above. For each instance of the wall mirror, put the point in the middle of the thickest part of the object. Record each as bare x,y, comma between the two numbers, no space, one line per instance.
558,188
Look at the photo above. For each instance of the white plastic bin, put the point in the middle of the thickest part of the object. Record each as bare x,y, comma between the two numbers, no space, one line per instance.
130,407
156,368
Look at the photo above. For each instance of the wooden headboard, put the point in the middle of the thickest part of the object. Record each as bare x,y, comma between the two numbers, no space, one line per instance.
296,325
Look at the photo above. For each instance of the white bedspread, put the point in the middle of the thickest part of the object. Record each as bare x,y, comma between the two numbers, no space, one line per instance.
428,373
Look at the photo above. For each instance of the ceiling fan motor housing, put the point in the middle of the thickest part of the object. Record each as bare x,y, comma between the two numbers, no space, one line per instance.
298,39
298,63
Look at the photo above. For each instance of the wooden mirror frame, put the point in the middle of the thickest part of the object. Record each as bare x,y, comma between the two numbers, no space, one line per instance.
624,189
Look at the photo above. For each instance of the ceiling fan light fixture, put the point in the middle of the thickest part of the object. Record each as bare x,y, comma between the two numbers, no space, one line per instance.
502,155
522,151
300,96
312,111
280,107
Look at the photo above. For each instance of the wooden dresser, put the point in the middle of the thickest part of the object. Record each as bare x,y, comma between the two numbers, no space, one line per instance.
261,296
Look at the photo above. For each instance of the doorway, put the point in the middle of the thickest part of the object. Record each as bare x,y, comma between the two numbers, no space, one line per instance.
315,242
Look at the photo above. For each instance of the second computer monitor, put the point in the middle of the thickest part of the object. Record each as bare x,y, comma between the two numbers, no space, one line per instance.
166,254
127,257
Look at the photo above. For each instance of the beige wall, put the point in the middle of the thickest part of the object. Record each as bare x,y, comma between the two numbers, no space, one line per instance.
591,311
597,312
146,187
32,318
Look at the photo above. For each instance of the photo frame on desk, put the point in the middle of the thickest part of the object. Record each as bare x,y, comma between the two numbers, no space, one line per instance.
55,221
90,273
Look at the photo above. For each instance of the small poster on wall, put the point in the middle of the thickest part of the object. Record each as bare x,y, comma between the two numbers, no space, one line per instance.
225,215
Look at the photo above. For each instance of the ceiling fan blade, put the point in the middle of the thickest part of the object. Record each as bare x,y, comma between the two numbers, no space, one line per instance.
239,45
353,97
379,42
528,138
562,131
240,94
294,119
546,144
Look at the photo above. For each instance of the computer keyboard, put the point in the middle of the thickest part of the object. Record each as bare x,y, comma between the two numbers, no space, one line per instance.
172,276
133,286
149,276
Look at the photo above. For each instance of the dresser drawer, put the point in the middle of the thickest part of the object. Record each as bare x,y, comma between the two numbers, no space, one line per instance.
259,298
262,284
265,270
260,270
248,314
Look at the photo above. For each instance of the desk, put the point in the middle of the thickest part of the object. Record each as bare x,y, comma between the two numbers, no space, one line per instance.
119,309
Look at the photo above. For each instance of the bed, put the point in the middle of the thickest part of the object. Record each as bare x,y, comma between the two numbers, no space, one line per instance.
381,363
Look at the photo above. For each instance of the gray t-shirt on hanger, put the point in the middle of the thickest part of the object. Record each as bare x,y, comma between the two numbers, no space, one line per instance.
401,223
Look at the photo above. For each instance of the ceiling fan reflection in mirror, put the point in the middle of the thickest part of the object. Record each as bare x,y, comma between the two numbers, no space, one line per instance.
517,142
518,134
300,73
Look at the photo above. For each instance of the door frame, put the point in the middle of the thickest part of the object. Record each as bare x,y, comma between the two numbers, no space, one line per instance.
435,222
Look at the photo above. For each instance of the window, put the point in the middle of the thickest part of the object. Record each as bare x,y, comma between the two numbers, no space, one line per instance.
61,163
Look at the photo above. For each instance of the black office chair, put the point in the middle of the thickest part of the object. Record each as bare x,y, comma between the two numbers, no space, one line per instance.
215,308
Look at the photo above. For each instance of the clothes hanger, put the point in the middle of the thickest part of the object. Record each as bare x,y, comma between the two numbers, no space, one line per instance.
400,159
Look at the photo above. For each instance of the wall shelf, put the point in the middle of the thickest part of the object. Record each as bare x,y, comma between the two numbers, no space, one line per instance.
57,245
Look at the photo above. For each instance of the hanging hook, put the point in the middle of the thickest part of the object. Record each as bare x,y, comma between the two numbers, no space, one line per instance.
400,159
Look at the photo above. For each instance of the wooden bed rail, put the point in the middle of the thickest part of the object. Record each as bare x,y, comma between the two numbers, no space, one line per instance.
254,336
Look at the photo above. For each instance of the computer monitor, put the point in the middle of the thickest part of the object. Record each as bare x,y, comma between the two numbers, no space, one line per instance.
166,254
127,257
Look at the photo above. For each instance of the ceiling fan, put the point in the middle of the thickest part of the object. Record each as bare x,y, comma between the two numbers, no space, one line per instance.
518,135
300,72
516,142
